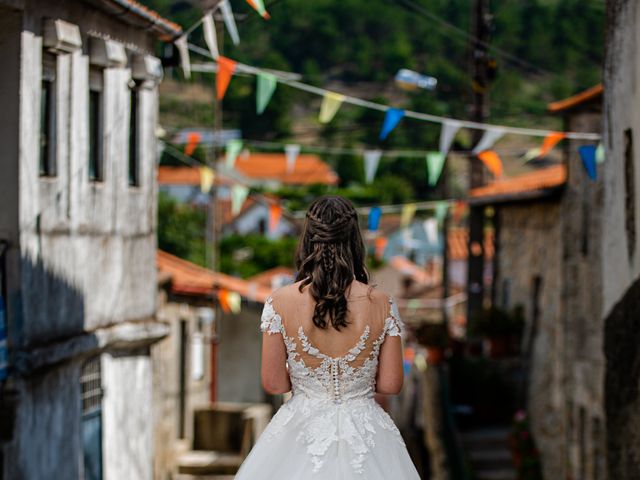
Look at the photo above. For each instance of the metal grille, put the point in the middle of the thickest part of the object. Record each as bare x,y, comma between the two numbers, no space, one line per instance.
91,385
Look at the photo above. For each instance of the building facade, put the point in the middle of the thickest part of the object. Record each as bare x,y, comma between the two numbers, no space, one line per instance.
78,193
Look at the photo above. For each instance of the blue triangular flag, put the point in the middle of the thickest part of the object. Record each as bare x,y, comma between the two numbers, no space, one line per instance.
588,156
374,218
391,120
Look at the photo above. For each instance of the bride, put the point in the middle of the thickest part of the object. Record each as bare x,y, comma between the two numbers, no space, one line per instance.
333,341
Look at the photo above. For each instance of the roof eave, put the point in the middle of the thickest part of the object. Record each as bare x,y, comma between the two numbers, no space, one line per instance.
528,196
129,10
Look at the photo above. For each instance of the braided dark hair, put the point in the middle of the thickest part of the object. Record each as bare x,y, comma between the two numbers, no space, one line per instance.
331,253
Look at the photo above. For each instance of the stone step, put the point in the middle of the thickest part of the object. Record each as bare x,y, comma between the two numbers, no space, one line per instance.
496,474
491,457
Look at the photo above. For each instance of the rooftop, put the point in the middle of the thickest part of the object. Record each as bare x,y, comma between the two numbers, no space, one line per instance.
141,16
308,169
169,175
535,184
190,279
576,100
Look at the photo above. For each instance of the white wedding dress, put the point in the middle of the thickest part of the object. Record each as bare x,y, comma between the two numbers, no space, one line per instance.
331,428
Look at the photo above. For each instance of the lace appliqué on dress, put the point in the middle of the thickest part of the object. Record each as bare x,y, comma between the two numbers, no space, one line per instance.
333,402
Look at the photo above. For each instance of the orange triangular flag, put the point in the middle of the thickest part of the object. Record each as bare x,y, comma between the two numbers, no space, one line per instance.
550,142
193,138
226,67
223,299
275,212
492,162
380,245
259,7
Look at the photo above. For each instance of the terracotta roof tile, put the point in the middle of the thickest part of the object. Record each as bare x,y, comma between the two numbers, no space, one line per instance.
168,175
166,28
190,279
575,100
533,182
309,169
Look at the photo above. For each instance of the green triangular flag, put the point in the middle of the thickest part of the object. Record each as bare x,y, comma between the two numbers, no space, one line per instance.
435,162
233,149
600,153
266,85
441,211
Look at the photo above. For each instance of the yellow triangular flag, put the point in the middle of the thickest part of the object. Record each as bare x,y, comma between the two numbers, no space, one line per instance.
207,176
408,211
330,105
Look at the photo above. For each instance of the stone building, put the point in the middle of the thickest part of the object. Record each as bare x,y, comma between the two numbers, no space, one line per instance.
78,89
548,259
620,248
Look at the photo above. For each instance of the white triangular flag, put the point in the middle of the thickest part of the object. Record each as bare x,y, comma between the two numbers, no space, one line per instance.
183,50
291,151
430,226
371,160
447,134
229,21
210,37
490,137
238,196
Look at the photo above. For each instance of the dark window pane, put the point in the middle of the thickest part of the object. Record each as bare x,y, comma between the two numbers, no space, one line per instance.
95,135
134,148
47,129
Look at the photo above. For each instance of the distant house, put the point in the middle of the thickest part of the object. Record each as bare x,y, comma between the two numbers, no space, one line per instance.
270,170
79,96
547,259
210,355
274,278
183,185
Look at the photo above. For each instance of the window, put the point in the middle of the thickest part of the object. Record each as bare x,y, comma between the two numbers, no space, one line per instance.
91,388
182,378
134,141
96,125
48,116
629,192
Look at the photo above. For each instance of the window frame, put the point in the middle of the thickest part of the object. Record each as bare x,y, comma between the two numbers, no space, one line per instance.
48,122
133,158
95,125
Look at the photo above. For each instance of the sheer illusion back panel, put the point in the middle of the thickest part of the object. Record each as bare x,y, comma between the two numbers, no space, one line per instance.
367,310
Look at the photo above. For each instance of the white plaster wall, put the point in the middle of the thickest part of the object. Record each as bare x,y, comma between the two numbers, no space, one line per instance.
127,417
622,111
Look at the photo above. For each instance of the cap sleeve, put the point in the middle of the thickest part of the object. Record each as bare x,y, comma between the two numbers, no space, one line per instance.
270,322
394,326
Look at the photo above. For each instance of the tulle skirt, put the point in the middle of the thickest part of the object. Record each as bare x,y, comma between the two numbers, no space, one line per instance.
327,441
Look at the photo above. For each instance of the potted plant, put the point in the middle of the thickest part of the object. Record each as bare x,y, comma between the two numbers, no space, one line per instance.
500,328
526,456
435,338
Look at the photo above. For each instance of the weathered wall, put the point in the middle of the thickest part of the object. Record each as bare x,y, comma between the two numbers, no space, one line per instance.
127,417
166,380
530,247
621,238
239,356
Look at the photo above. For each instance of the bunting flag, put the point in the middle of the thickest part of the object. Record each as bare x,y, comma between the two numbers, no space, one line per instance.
371,160
588,156
207,176
600,153
238,196
223,299
550,141
408,211
226,67
447,134
330,105
210,36
531,154
492,162
193,139
430,226
380,244
441,211
374,219
275,213
490,137
435,162
183,50
258,6
233,148
234,300
291,151
266,85
391,120
229,21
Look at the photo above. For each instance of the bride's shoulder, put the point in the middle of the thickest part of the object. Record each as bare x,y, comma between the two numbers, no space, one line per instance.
373,293
287,292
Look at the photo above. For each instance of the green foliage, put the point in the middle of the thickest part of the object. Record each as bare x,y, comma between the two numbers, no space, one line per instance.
247,255
181,230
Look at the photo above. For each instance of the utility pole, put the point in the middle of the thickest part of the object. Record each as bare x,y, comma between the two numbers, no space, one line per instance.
479,85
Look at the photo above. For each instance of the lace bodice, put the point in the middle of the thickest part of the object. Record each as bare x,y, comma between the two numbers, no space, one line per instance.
332,398
336,378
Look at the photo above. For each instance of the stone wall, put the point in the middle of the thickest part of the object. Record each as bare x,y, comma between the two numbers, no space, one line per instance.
530,259
620,247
